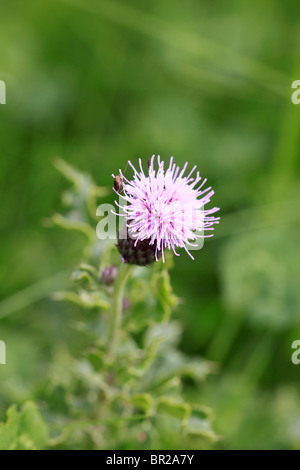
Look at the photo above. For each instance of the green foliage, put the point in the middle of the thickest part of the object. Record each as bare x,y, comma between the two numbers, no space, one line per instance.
144,379
24,430
104,81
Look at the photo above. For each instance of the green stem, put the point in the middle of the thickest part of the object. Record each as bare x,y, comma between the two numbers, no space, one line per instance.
116,309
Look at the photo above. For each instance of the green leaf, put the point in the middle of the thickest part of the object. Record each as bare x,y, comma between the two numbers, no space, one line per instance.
86,276
84,193
142,401
174,408
24,430
96,358
84,299
162,289
199,423
166,333
172,364
73,223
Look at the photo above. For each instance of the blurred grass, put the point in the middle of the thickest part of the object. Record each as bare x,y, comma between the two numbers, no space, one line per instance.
100,82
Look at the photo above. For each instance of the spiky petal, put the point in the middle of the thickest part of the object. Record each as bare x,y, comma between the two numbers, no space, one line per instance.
165,209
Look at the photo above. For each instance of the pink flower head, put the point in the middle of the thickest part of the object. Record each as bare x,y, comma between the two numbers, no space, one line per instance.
166,208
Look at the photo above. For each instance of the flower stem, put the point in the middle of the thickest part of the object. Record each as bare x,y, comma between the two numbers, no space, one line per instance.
116,309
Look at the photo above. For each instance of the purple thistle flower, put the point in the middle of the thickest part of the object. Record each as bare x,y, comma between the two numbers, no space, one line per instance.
164,209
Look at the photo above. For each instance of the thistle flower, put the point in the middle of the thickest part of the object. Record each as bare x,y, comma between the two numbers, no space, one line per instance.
163,210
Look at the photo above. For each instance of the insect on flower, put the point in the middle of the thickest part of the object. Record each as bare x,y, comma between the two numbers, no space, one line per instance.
163,210
119,181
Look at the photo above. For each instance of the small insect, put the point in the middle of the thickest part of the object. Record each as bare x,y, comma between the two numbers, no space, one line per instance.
119,181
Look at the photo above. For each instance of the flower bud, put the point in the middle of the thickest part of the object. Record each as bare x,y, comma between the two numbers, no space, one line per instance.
109,274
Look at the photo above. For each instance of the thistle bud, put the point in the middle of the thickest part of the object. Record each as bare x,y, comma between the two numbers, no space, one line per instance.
109,274
139,252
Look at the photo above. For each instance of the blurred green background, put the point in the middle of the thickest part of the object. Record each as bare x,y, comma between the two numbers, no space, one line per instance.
100,82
